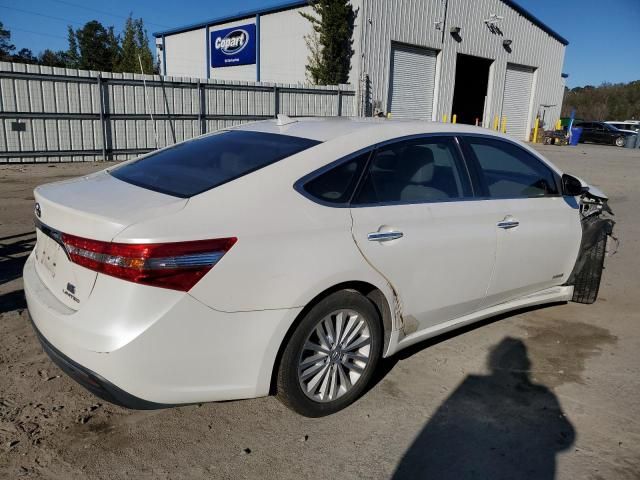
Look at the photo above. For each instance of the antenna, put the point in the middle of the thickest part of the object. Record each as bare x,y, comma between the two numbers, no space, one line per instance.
146,99
284,120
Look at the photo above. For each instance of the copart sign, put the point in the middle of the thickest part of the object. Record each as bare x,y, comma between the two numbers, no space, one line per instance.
233,46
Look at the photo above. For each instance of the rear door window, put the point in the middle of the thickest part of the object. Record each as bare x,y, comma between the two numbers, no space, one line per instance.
510,171
415,171
198,165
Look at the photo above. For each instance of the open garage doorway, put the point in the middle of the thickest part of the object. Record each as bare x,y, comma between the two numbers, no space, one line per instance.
470,92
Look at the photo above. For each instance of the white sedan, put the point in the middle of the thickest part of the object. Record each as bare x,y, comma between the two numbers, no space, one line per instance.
290,256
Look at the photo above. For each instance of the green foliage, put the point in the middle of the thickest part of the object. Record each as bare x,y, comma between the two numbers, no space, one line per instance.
331,42
620,101
54,59
98,47
92,47
6,47
135,48
72,57
24,55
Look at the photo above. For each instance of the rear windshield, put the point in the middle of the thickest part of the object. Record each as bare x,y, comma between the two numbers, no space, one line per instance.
193,167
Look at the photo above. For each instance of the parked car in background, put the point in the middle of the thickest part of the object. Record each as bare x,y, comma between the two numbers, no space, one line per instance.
601,132
292,255
631,127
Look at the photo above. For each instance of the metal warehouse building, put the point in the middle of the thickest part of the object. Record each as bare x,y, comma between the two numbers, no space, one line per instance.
480,60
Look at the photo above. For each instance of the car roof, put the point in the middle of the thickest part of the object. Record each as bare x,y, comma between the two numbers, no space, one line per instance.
324,129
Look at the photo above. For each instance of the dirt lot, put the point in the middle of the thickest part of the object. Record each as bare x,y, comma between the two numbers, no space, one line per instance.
556,390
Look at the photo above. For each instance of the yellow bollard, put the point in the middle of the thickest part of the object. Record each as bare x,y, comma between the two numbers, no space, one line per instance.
496,123
444,118
504,125
535,130
454,119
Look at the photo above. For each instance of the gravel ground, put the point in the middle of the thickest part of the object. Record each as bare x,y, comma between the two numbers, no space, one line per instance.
554,391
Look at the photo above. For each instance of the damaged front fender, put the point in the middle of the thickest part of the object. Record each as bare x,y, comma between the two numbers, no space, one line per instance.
597,227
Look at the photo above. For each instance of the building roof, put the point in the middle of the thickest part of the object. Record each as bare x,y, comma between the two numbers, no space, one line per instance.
290,4
533,19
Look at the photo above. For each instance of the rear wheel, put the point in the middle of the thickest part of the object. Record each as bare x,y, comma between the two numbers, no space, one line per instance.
331,355
620,141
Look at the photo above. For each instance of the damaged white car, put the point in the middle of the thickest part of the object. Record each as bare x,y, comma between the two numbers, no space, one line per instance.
290,256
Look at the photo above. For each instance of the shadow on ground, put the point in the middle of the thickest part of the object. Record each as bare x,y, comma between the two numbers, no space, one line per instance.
498,426
13,255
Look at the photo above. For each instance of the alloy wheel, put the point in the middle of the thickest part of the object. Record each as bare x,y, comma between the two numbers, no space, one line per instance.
335,355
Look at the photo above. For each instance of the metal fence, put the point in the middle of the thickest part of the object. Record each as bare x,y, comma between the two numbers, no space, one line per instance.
57,114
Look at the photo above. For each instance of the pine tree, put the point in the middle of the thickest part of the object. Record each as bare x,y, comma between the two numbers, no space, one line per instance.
135,48
72,56
98,47
331,41
6,47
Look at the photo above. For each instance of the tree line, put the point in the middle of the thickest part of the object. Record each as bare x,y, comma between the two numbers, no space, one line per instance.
609,101
92,47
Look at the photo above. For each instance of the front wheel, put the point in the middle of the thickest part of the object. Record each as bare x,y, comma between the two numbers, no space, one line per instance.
331,356
620,141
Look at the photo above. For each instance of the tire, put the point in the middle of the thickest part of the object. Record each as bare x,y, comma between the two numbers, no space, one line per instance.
587,280
301,379
620,141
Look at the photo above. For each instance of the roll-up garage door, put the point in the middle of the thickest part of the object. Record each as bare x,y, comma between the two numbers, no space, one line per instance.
517,100
413,73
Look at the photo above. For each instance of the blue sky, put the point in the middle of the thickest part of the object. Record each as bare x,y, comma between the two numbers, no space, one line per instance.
604,35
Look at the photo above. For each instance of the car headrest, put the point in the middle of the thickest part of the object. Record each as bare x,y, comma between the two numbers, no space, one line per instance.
417,164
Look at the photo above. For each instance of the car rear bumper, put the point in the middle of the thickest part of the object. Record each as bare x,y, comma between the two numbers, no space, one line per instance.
93,382
156,354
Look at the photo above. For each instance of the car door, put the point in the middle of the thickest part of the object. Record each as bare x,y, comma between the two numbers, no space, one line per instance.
538,230
587,132
416,222
602,134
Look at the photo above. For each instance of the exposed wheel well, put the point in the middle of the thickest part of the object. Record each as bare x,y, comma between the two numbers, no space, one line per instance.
373,293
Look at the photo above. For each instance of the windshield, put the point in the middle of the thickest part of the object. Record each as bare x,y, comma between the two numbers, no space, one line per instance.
192,167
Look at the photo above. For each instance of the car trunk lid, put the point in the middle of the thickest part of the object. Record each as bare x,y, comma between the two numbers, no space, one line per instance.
96,207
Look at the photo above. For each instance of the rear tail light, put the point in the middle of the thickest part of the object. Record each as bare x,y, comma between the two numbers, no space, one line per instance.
178,266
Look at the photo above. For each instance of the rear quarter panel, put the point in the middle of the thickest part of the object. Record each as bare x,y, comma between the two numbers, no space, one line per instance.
289,248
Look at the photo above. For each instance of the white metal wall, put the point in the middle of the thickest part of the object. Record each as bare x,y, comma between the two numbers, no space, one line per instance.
186,54
282,45
283,50
415,22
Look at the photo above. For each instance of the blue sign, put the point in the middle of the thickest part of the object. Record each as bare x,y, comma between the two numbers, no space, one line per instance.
233,46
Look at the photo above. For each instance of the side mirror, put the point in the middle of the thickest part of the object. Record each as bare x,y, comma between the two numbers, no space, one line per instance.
572,186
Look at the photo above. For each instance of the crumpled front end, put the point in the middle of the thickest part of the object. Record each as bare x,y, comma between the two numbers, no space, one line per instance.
597,229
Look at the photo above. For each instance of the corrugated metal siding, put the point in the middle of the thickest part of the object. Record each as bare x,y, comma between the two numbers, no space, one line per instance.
412,82
517,100
61,110
414,22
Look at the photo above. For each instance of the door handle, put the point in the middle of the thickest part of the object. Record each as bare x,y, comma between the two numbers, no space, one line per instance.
384,236
508,222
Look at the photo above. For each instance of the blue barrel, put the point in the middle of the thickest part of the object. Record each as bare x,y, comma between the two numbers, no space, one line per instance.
576,132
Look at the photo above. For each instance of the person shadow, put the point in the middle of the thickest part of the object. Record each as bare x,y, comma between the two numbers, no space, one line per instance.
496,426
